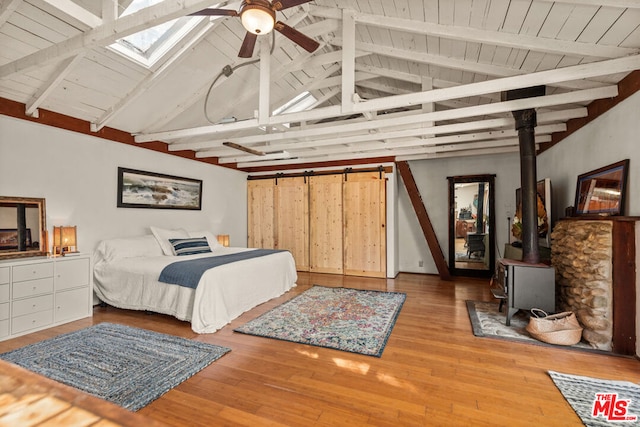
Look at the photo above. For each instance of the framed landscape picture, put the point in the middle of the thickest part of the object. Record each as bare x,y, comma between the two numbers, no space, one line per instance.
602,191
141,189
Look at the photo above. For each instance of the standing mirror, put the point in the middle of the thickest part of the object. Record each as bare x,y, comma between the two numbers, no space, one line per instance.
471,225
22,227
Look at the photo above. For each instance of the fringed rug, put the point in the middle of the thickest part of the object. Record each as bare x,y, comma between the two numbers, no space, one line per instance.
128,366
487,321
358,321
600,402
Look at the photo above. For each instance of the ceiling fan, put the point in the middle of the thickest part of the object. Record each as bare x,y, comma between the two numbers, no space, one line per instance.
259,17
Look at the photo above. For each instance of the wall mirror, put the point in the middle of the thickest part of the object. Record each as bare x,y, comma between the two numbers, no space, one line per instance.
23,231
471,225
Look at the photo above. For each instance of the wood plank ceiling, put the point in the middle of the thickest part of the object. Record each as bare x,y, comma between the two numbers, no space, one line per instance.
403,79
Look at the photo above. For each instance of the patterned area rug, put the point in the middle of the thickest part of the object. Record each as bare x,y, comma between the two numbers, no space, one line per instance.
600,402
487,321
128,366
353,320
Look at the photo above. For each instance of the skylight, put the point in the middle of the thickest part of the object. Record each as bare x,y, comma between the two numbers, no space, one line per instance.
149,45
301,102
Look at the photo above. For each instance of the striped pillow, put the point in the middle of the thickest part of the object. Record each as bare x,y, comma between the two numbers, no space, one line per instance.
197,245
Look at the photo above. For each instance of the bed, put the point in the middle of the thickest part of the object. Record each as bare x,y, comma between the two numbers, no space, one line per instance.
127,272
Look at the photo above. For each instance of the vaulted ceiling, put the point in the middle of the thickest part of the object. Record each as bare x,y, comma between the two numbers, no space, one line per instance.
403,79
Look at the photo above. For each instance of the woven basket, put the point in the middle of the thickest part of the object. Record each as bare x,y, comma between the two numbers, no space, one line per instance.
561,329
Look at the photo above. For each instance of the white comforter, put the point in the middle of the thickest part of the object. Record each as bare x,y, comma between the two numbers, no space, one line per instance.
223,293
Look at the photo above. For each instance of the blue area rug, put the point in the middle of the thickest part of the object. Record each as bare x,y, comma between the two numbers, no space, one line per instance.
128,366
600,403
358,321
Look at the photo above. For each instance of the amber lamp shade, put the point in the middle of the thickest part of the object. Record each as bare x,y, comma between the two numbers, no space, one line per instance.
64,240
223,239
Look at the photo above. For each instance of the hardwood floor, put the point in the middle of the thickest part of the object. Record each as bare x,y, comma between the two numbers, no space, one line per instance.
432,372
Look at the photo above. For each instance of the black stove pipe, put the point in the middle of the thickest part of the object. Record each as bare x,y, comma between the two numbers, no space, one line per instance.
525,125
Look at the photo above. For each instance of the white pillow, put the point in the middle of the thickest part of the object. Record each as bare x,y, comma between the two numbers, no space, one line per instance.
163,236
211,239
131,247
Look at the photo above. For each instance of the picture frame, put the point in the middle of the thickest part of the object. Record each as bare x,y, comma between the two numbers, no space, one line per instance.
9,238
602,191
143,189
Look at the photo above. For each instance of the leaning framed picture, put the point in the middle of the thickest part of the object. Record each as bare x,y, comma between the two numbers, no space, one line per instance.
141,189
602,191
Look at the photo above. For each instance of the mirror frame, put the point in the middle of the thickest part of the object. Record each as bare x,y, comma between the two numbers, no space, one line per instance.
453,270
42,249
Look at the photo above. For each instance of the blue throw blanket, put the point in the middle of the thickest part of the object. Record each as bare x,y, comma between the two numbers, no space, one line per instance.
188,273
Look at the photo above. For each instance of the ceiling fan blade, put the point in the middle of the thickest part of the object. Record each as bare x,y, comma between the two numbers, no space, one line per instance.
297,37
285,4
249,42
215,12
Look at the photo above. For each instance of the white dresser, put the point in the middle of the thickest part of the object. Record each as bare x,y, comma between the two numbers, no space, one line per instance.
37,293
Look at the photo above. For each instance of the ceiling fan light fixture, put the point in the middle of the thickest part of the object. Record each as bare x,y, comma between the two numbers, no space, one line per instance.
257,16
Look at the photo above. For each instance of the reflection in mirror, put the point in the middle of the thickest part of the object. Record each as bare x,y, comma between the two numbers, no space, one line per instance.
471,225
22,227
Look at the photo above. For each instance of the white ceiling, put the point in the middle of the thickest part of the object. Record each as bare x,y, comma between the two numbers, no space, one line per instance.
404,78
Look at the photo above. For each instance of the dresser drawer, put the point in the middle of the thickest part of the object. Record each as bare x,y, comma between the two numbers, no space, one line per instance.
72,273
32,305
31,321
32,271
4,311
4,275
4,328
4,292
32,287
71,305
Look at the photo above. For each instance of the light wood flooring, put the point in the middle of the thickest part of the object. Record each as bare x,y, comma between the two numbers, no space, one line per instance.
432,372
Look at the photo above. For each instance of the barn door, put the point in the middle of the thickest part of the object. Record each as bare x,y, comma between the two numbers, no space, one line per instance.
325,215
292,218
261,216
364,213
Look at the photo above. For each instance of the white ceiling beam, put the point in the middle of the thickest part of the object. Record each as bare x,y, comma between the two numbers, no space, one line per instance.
109,10
468,153
324,98
547,122
386,149
320,60
412,78
461,113
280,155
76,12
549,77
7,7
319,81
152,78
355,156
455,63
469,34
58,76
265,82
105,34
581,71
348,59
385,88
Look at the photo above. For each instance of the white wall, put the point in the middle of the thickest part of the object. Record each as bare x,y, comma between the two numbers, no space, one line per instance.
77,175
612,137
431,178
